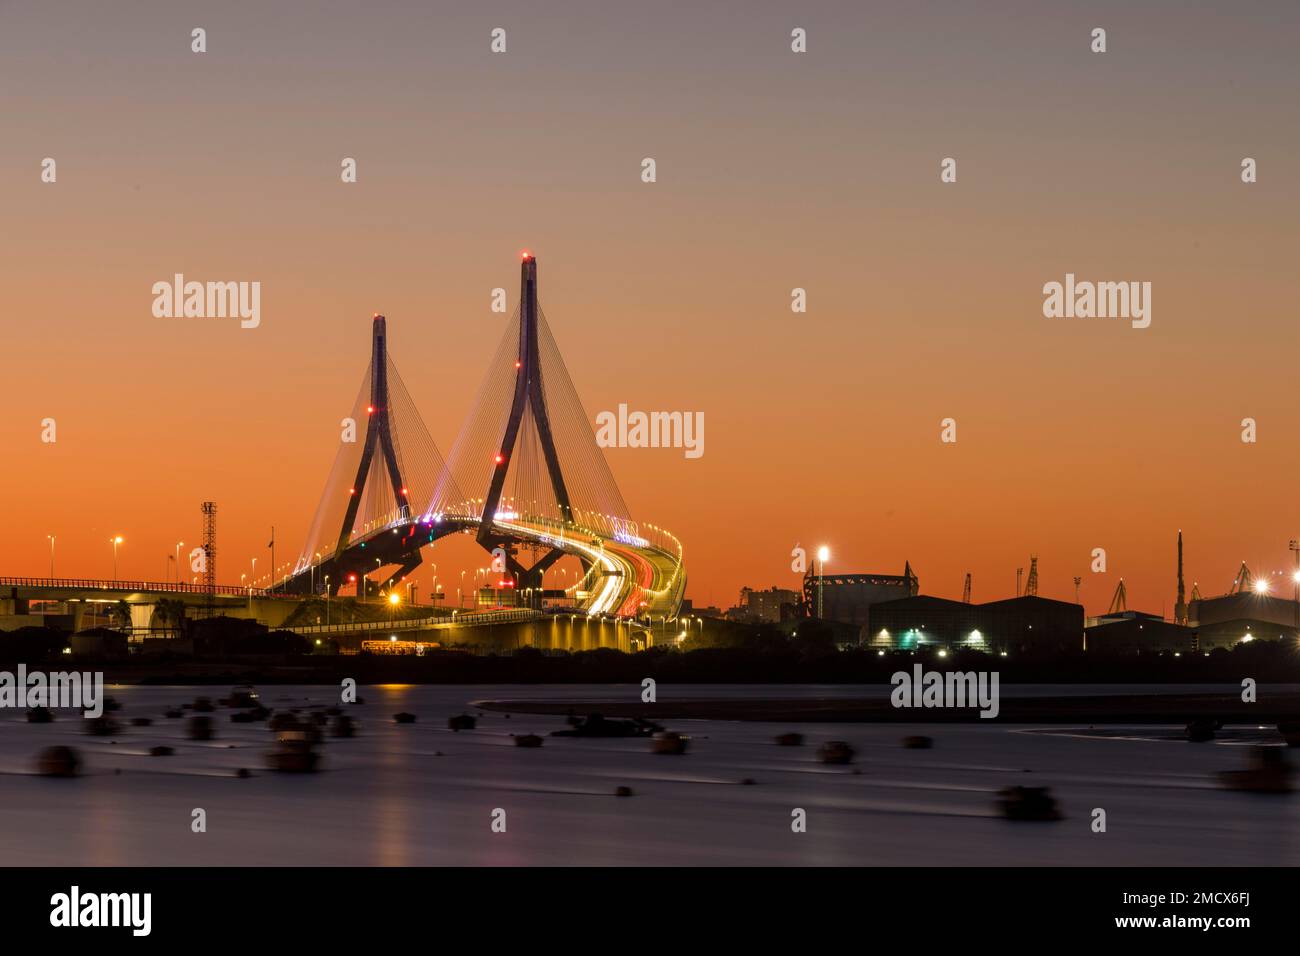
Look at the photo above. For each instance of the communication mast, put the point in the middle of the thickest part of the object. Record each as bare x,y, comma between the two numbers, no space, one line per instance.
1180,605
210,553
965,591
1032,586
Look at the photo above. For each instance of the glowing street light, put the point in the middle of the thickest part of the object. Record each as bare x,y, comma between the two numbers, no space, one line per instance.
1261,586
115,540
823,555
51,537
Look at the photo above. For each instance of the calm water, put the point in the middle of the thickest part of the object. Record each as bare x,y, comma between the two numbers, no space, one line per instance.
420,794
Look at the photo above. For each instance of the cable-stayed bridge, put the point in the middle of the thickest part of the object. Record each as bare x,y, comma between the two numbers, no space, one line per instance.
525,477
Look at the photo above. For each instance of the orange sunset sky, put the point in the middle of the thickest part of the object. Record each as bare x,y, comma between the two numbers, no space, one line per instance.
776,170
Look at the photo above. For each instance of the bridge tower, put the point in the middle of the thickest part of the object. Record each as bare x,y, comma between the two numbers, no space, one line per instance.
379,435
528,395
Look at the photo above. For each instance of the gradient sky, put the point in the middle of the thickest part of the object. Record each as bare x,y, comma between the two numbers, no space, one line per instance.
775,170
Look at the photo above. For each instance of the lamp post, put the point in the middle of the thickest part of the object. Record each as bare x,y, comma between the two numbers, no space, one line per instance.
1295,546
51,537
823,555
177,559
327,600
116,540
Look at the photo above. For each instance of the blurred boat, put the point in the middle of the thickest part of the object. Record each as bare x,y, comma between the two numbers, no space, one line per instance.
200,727
343,726
58,762
835,752
293,753
596,725
461,722
1268,772
102,726
669,742
1028,804
242,695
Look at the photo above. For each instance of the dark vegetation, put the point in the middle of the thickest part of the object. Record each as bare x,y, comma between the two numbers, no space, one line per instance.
734,654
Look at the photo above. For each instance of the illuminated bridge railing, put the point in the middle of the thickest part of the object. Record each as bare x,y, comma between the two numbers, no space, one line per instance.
108,584
442,622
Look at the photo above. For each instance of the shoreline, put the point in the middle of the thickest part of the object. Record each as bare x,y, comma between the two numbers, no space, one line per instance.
1117,709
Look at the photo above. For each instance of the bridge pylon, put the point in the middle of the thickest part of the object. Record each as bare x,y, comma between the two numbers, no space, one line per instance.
379,439
528,396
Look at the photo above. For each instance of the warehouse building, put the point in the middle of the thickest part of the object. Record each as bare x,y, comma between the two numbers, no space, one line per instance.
1016,625
1133,632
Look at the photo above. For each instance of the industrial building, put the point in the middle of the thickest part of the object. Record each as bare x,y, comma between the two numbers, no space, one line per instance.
1134,632
1016,625
1246,613
768,607
848,598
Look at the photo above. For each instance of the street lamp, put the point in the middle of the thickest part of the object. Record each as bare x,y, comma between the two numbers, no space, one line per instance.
116,540
51,537
823,555
177,559
1294,546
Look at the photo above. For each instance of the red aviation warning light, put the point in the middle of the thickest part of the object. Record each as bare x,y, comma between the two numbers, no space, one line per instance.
500,459
526,255
370,409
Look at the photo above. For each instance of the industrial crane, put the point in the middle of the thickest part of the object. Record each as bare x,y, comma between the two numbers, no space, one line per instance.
1119,603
